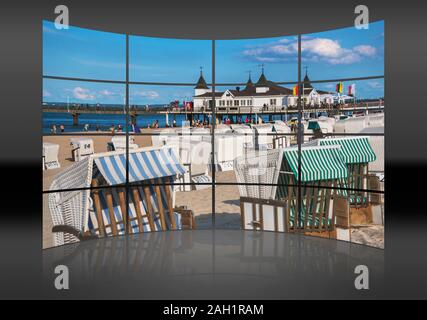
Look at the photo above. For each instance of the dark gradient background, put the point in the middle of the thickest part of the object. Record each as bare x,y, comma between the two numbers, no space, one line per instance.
21,91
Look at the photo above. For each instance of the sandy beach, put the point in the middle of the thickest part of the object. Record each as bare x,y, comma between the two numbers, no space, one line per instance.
200,201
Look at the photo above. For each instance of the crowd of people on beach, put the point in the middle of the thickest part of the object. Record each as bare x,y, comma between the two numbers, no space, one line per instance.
54,129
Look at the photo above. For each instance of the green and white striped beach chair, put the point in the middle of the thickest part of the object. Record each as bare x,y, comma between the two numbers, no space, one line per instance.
322,169
356,153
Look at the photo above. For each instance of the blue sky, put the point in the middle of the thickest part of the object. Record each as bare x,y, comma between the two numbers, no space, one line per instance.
84,53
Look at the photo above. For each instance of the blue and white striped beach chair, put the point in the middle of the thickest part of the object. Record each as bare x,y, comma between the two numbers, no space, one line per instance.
145,213
81,215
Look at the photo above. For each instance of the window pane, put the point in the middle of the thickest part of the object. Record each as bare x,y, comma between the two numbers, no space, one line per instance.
344,53
236,59
91,113
98,106
83,53
169,60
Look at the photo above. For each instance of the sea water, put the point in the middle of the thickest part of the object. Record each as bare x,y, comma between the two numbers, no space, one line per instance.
105,121
102,121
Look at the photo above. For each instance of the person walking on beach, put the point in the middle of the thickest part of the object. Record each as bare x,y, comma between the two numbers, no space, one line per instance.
98,128
53,129
86,127
112,128
62,128
174,123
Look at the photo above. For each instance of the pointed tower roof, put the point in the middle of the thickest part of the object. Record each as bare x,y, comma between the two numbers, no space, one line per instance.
249,83
201,83
306,81
262,81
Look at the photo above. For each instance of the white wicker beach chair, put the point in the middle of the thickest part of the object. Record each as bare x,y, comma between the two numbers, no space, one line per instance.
70,208
81,148
377,144
119,143
273,206
263,136
351,125
228,148
281,140
247,133
195,156
50,156
86,214
256,173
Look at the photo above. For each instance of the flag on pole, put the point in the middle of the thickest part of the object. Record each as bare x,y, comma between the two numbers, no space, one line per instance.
352,90
295,90
339,87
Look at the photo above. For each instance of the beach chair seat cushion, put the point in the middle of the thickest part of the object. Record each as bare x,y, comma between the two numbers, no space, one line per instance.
133,219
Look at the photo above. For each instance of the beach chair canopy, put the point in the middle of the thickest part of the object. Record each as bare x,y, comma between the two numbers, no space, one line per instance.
143,165
274,178
353,149
350,124
263,128
241,128
223,128
281,127
317,163
313,125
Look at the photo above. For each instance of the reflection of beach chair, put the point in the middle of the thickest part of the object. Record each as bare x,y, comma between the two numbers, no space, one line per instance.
50,156
119,143
81,148
81,215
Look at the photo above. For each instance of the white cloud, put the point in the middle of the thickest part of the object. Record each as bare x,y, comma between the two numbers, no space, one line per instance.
150,94
83,94
46,93
323,47
365,50
313,49
100,64
106,92
375,85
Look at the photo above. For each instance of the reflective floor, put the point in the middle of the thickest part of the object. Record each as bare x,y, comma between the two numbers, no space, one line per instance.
214,264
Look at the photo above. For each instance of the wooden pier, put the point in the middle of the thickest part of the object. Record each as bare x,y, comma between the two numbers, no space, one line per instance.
220,112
